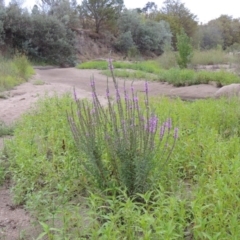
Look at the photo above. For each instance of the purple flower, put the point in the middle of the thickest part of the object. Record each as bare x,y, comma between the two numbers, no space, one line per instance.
135,99
132,89
152,125
168,124
162,131
126,97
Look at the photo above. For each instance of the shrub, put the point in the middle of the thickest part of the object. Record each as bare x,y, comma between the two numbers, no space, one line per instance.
120,142
147,35
125,42
40,36
185,50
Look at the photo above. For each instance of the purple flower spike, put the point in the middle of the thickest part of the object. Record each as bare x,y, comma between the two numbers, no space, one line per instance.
135,99
168,124
162,131
132,89
176,133
126,97
153,121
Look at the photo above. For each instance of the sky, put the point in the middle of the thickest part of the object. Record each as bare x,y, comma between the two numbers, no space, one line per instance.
205,10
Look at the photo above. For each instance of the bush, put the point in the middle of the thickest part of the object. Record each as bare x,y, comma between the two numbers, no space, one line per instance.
120,143
40,36
185,50
14,72
147,35
124,42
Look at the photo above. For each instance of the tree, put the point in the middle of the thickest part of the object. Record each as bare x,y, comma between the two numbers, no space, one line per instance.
150,9
179,17
210,36
185,50
101,11
64,10
147,35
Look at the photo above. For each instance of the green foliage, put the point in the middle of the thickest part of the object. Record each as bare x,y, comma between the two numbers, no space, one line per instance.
210,57
40,36
6,130
57,47
185,50
198,197
151,70
145,66
100,65
210,36
135,74
146,35
168,60
14,72
179,17
124,42
101,12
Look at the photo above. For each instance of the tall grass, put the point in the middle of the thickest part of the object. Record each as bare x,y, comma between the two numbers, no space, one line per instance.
209,57
145,66
151,70
180,77
14,72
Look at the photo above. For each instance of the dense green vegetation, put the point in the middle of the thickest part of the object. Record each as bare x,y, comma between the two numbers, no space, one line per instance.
48,33
13,72
79,168
195,195
152,70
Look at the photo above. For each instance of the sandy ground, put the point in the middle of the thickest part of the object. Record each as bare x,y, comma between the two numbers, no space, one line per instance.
14,220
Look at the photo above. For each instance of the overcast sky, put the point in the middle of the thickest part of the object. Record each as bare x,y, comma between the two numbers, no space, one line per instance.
205,10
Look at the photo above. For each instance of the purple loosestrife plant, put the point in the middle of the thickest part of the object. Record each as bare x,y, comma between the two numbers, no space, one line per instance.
120,140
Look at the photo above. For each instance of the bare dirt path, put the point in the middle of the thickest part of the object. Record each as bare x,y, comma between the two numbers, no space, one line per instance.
15,220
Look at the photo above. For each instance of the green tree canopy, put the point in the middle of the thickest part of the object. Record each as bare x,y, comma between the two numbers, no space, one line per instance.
101,11
179,17
147,35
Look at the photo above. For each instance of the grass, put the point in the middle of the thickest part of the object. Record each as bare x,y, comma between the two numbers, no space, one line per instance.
209,57
196,196
151,70
145,66
6,130
14,72
180,77
131,74
38,82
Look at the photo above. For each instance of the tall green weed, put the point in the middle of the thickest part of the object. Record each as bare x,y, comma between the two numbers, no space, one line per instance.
14,72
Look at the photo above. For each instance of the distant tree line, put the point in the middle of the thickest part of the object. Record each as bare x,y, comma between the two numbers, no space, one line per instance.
47,32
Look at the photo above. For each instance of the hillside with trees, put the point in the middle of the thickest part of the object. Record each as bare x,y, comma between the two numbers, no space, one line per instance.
63,32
